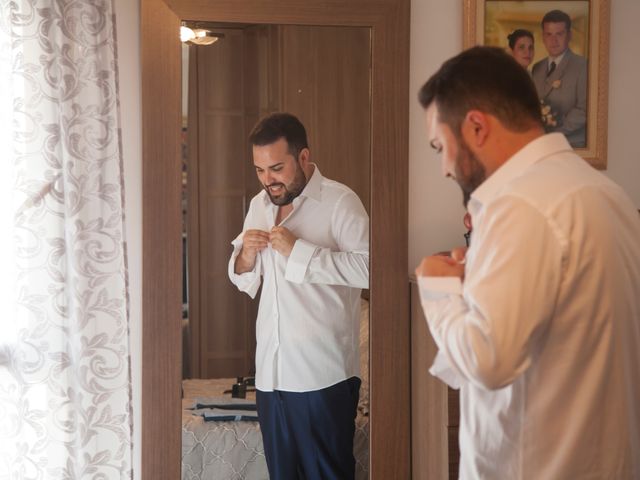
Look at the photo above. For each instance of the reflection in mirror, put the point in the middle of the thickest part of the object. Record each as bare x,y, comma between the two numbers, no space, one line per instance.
321,75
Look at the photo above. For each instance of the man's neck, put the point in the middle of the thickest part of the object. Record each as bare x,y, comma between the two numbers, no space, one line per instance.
510,143
558,57
283,212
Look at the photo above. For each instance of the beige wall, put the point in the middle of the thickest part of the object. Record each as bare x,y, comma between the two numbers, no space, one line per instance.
435,211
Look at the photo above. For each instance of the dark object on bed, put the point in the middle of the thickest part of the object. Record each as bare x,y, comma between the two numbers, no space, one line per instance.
242,386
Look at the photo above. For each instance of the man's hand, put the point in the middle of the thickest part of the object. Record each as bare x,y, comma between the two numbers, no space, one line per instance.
282,240
443,265
253,242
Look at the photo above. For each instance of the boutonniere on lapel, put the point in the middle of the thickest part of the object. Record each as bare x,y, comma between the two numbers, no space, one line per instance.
548,116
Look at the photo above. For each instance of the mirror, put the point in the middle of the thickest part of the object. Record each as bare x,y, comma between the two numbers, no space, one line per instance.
321,74
387,24
254,70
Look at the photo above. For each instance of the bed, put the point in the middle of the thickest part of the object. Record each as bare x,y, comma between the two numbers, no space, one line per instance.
232,449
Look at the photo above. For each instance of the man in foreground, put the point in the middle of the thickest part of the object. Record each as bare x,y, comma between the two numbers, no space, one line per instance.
306,239
538,322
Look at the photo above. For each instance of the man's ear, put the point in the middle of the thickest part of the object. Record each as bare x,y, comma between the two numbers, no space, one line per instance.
303,157
476,128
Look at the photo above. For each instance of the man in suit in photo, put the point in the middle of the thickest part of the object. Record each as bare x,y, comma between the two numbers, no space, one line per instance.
561,81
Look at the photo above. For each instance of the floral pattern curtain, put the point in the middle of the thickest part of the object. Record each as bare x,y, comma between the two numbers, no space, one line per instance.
65,383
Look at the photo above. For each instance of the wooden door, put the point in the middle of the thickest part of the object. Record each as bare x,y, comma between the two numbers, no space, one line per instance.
222,107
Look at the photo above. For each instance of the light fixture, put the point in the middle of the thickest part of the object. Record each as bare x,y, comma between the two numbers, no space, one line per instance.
198,36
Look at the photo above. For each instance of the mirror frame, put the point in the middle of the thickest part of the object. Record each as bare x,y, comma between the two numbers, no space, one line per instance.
390,429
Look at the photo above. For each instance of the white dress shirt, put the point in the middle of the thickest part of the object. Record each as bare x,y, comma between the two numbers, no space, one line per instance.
555,60
543,336
308,320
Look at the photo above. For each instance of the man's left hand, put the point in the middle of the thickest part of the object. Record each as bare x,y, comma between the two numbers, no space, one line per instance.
282,240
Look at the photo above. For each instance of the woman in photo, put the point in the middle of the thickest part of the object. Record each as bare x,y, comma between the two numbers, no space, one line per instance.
521,46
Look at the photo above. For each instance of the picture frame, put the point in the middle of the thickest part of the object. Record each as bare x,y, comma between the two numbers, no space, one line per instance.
489,22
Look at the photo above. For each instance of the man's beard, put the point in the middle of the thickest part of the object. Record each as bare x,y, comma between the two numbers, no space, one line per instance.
470,173
291,191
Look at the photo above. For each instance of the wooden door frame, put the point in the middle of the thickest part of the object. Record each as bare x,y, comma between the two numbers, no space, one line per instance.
389,375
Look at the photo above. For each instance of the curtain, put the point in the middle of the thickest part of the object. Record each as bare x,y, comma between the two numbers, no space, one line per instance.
65,383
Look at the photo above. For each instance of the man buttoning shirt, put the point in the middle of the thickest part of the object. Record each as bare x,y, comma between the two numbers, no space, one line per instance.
538,322
306,239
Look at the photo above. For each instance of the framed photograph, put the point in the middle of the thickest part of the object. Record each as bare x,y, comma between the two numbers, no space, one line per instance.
565,47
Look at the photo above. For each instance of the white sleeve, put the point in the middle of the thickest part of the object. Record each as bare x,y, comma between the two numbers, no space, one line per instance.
434,290
349,266
248,282
489,333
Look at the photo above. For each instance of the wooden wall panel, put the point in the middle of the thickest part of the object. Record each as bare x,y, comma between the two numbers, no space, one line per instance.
193,225
222,151
429,402
223,316
326,74
162,253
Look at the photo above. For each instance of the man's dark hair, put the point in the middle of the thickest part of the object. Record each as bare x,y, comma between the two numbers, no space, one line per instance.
516,34
486,79
273,127
557,16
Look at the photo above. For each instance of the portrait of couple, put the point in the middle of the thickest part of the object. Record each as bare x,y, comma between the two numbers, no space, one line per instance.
558,66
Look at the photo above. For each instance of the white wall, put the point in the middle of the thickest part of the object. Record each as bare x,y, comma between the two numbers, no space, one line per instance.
128,34
624,98
435,203
435,209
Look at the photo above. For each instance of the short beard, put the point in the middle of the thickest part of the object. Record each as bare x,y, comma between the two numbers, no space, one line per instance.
291,191
470,173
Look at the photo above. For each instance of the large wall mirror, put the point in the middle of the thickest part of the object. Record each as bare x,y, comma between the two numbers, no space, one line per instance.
342,67
321,74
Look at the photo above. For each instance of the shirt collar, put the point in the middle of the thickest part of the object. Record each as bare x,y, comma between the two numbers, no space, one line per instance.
314,185
557,59
515,166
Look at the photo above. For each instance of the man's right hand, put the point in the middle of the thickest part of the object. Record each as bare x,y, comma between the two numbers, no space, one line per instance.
253,242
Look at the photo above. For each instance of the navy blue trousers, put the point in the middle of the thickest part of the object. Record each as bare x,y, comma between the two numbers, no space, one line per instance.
309,435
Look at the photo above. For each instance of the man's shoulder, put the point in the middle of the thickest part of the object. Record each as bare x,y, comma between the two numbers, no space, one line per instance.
576,59
334,189
539,64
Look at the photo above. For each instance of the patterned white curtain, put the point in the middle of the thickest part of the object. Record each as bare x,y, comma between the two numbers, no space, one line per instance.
65,383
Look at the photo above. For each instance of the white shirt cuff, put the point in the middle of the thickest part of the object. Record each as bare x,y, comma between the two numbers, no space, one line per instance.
298,261
435,288
248,282
445,372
